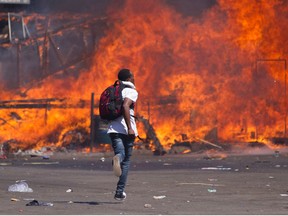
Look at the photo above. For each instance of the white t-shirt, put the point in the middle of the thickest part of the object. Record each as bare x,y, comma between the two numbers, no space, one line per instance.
119,125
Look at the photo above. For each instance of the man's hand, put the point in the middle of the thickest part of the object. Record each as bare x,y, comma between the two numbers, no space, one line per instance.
131,133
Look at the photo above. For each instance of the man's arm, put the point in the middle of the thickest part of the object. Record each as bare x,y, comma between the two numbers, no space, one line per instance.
126,113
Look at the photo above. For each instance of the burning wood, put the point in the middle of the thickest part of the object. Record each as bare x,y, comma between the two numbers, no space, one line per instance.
6,122
209,143
46,103
151,136
74,139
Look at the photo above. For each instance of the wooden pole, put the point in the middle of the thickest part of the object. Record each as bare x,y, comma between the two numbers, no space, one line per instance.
207,142
92,129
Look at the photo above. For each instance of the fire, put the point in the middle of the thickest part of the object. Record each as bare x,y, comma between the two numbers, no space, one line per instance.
224,71
100,148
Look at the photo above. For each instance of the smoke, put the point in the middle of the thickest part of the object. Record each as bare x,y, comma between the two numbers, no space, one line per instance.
55,6
193,8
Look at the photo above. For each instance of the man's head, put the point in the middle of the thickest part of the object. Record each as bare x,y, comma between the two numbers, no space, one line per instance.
126,75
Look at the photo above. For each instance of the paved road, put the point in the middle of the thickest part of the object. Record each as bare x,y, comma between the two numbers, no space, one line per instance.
169,184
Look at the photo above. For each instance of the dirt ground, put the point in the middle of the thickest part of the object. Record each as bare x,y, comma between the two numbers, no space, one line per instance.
168,185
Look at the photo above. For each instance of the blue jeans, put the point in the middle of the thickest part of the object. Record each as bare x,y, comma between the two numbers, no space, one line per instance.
122,145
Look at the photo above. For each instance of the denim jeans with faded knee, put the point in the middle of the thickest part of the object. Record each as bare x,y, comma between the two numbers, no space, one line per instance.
122,145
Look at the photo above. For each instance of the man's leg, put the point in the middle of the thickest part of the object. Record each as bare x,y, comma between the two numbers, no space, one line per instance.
122,146
125,165
119,152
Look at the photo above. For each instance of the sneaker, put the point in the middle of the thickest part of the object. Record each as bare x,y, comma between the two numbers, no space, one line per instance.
116,166
120,196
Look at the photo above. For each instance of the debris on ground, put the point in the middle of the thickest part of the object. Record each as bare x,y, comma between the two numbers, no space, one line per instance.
40,163
37,203
20,186
15,199
148,206
44,152
69,190
159,197
204,184
212,190
45,157
5,164
216,168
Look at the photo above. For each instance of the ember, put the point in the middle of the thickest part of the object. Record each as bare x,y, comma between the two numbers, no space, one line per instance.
217,79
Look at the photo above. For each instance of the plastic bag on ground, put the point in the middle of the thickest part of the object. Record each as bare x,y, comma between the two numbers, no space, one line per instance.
37,203
20,186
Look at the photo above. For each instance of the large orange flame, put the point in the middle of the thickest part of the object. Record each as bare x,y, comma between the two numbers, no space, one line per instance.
223,71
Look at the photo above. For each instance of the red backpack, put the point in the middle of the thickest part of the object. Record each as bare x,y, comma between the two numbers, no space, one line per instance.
110,105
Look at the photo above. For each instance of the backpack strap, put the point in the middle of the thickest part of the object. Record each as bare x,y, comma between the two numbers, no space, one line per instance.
119,82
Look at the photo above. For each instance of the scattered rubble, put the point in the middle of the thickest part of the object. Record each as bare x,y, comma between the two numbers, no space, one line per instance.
44,152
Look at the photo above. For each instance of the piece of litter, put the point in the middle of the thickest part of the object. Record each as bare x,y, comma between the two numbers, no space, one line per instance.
284,195
5,164
148,206
37,203
159,197
212,190
215,168
38,163
167,164
205,184
15,199
69,190
20,186
28,199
